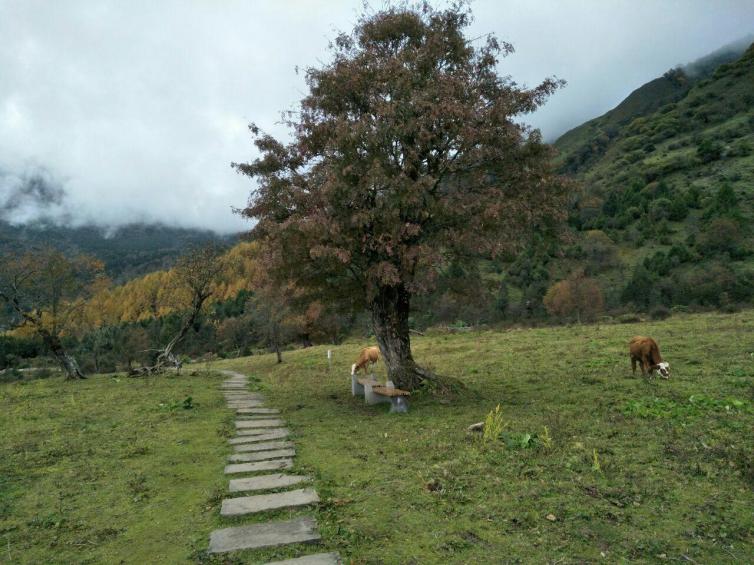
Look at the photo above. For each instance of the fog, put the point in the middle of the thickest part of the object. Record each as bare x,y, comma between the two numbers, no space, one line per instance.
113,112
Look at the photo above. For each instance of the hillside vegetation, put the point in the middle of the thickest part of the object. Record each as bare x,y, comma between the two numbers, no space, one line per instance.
667,192
127,252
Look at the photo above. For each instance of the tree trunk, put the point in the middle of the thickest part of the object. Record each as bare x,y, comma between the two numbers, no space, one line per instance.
390,311
66,361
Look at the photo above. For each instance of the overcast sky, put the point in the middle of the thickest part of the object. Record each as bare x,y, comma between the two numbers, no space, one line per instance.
136,108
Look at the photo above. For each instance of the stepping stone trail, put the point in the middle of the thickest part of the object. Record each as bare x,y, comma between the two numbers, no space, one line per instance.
261,445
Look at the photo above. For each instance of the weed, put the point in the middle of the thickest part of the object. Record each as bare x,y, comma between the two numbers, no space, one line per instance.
596,467
493,425
546,438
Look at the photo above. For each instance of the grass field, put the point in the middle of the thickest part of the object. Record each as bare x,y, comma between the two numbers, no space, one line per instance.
110,470
116,470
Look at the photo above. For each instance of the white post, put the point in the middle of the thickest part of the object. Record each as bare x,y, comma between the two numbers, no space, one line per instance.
329,358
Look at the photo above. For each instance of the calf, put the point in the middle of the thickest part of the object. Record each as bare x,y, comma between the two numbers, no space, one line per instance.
644,350
368,356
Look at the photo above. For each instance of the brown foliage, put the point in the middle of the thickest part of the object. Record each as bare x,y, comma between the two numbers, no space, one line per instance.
577,296
405,154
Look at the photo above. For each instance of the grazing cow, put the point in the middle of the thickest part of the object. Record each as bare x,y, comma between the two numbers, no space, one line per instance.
644,350
368,356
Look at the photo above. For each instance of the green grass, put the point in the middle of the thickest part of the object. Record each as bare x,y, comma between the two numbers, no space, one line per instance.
117,470
674,466
110,470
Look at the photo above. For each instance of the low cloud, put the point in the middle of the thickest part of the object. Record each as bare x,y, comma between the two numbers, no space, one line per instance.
138,108
31,195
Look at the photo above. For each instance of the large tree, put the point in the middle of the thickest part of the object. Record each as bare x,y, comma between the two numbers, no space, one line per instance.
45,291
406,153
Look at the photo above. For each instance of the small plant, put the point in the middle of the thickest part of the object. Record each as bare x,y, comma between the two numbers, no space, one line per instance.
546,438
493,425
596,467
186,404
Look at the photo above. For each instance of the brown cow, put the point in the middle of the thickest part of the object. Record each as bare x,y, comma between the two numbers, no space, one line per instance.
368,356
645,351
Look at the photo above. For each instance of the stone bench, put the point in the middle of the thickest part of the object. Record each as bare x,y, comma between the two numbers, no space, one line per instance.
395,396
358,385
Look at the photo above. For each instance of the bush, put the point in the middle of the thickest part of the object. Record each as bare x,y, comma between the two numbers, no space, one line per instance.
709,150
721,236
660,209
659,313
629,318
577,296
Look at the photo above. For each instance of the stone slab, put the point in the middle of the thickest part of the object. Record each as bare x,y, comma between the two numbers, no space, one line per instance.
267,436
265,482
314,559
242,505
231,373
275,465
256,402
246,404
259,423
264,446
257,431
298,530
246,417
258,411
261,455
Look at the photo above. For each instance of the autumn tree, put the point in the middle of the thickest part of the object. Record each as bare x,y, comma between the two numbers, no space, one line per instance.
578,296
195,277
45,291
407,153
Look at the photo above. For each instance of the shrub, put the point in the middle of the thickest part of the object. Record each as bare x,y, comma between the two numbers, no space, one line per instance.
659,313
629,318
639,288
660,209
722,235
709,150
578,295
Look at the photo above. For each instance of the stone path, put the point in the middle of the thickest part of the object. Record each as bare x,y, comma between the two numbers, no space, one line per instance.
260,446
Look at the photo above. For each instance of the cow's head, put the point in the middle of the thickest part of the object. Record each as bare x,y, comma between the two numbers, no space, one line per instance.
664,369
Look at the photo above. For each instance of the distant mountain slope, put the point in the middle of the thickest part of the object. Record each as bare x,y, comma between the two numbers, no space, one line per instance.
583,144
128,252
664,213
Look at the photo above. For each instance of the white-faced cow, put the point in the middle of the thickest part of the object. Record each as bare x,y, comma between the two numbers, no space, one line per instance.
644,350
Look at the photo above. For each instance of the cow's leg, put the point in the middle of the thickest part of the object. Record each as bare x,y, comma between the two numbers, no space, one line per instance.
644,366
633,364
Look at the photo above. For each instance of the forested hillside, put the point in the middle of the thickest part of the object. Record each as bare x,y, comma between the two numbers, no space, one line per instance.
667,187
127,252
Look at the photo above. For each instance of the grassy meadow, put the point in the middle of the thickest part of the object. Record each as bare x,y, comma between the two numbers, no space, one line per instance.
111,469
593,464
